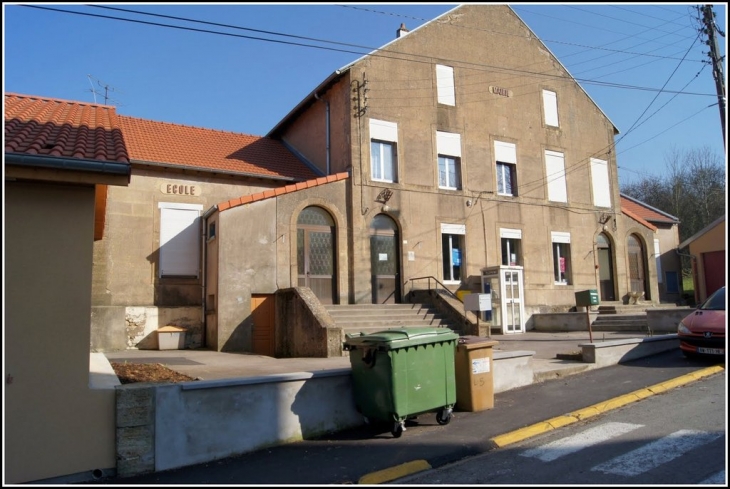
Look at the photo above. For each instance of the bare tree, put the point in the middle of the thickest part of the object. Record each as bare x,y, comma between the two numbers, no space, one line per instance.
693,189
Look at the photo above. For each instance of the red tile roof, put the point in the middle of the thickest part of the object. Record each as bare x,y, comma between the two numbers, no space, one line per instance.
209,149
295,187
645,211
639,219
53,127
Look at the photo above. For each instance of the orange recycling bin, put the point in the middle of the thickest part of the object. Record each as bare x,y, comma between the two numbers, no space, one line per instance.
474,373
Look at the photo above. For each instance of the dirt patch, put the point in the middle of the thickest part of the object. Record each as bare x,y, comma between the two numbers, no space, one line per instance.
129,373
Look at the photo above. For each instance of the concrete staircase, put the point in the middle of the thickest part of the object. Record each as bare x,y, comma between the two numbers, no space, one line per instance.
371,318
616,316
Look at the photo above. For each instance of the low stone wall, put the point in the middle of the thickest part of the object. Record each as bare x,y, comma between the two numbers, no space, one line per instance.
666,320
309,330
162,427
563,321
512,369
619,351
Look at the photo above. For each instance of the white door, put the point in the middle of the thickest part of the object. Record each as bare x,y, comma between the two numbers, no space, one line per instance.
513,308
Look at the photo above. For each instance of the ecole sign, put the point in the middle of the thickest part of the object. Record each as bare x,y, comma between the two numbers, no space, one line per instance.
177,189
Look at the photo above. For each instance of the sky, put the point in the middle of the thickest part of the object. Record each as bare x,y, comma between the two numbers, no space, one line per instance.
242,67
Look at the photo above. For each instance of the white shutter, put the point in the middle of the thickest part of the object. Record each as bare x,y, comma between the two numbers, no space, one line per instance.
505,152
453,228
510,233
383,130
560,237
448,144
658,256
550,104
555,170
601,187
445,85
179,240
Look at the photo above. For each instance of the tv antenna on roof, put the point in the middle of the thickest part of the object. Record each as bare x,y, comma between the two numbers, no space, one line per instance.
106,88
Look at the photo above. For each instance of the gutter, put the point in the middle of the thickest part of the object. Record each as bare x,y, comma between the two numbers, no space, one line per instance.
327,129
212,170
73,164
203,271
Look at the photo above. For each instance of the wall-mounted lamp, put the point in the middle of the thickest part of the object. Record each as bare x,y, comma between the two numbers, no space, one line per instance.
468,203
386,208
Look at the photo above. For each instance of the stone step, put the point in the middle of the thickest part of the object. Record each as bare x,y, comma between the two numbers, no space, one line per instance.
372,318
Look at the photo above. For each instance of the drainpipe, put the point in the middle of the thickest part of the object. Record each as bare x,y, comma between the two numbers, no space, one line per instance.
204,250
327,129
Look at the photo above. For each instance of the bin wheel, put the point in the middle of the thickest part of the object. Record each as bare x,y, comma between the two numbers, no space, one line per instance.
397,430
443,416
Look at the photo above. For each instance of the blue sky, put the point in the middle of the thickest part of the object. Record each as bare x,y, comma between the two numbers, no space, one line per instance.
259,61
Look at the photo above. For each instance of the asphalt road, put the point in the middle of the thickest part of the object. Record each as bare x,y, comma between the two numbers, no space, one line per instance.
370,454
676,437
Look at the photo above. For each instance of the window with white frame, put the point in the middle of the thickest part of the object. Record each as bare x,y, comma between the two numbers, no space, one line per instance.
383,151
179,240
448,146
561,257
445,85
550,107
601,186
452,251
555,174
511,249
506,157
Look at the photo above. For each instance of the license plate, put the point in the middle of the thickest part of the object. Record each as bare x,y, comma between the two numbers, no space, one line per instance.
711,351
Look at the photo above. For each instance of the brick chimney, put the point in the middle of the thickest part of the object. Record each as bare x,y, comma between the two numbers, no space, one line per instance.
402,31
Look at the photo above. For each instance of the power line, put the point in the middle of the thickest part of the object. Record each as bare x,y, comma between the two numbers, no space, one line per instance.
377,52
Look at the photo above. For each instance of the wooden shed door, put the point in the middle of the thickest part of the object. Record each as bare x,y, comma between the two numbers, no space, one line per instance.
263,315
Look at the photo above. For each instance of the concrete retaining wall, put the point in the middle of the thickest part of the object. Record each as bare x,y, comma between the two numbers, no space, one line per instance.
619,351
162,427
562,321
666,320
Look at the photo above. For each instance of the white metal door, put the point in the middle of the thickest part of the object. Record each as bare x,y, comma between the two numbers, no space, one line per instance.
513,308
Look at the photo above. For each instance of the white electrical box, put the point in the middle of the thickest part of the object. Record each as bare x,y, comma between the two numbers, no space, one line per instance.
478,302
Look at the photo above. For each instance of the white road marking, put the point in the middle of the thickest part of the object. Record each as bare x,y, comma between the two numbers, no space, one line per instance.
587,438
652,455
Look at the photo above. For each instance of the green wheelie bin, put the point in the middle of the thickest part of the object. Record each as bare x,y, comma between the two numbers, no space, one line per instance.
400,373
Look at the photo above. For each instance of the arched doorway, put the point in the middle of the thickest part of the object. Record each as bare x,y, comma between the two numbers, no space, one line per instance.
637,273
384,260
605,268
316,253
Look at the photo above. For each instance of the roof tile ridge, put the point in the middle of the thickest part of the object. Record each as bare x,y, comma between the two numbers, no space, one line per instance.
54,99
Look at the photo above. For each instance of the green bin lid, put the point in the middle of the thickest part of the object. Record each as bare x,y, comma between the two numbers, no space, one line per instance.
391,339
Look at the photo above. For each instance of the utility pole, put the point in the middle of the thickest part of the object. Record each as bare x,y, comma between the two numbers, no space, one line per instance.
708,18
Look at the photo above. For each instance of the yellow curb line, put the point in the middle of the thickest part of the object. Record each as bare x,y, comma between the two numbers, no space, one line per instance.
601,407
396,472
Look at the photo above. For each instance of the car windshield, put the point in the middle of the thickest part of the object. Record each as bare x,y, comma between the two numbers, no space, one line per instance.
716,302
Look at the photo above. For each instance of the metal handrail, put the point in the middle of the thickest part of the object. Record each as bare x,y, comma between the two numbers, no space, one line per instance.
429,278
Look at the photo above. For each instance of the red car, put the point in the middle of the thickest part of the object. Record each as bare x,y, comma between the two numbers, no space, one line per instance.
703,331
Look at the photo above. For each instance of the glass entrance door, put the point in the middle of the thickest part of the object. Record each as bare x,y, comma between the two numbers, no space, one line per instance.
513,310
505,283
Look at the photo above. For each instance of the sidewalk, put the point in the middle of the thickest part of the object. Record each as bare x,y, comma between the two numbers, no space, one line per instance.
207,364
